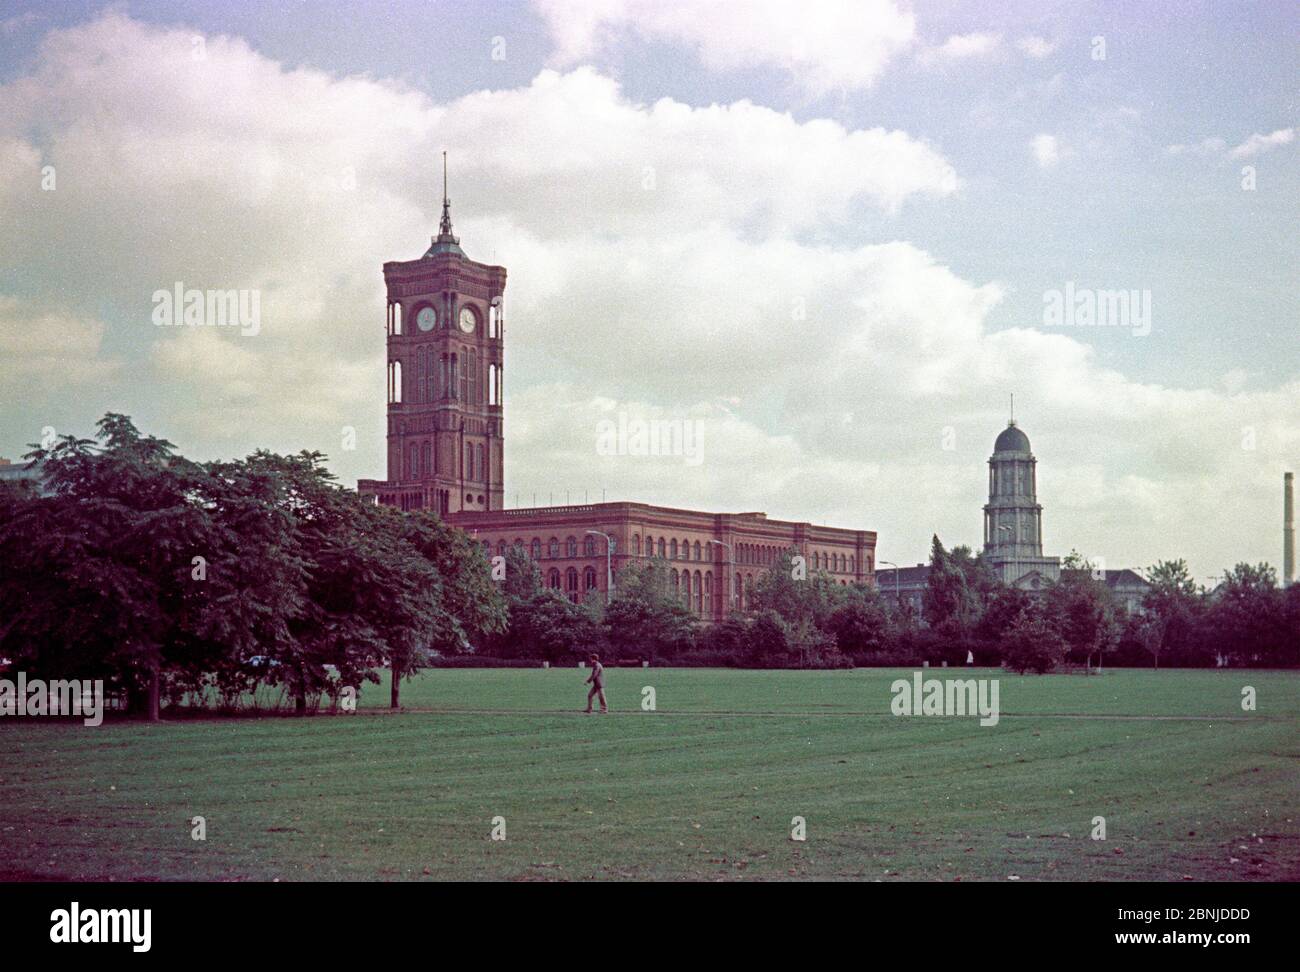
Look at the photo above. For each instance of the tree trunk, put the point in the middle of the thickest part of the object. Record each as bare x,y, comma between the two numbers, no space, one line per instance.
154,712
396,688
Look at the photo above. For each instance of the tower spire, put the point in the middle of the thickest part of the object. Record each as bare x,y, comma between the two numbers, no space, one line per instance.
1012,420
444,228
445,241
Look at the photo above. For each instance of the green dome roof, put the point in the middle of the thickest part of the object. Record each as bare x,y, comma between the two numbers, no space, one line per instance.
1011,440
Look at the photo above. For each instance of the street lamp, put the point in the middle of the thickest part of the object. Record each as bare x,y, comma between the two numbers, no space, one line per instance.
609,562
726,563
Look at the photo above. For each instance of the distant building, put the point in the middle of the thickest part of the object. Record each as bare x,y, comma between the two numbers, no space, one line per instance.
1013,536
1126,586
13,472
1013,517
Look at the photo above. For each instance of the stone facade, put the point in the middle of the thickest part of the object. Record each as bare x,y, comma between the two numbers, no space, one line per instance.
713,559
1013,517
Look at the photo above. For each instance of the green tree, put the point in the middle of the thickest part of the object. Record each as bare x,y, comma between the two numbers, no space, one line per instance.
1082,609
1172,607
951,601
96,573
1247,622
861,624
1032,643
799,597
645,618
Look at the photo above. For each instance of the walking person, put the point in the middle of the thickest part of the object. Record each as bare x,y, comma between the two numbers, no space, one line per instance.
597,682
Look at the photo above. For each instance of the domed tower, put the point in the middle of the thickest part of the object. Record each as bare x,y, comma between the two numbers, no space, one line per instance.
1013,517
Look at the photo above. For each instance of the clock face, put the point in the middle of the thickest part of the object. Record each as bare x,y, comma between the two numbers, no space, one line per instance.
467,320
426,319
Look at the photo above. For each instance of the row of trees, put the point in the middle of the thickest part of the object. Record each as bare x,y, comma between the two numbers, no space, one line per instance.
967,614
166,577
1246,620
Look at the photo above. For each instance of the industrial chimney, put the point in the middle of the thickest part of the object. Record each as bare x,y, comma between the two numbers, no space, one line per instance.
1288,528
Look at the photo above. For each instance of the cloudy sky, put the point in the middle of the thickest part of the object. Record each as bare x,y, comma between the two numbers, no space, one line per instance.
827,231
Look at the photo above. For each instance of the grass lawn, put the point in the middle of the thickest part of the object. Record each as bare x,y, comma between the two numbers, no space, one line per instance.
703,788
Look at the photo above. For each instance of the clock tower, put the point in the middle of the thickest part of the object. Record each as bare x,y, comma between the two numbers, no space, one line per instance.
445,328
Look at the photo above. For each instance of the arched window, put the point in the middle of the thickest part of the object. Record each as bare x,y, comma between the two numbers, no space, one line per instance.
636,544
395,309
501,548
554,580
697,550
571,583
699,593
453,371
494,317
536,549
672,549
673,579
413,462
466,363
649,545
739,595
478,462
571,547
471,369
589,546
663,547
395,382
708,594
589,579
553,548
442,376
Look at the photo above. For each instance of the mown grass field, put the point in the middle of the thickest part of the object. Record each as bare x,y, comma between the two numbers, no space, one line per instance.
704,788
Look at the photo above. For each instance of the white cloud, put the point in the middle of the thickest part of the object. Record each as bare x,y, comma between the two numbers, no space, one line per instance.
824,45
825,365
1036,47
1047,150
1255,145
1262,143
962,47
46,347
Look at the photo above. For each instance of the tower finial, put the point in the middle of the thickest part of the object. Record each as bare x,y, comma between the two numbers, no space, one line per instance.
444,228
1012,420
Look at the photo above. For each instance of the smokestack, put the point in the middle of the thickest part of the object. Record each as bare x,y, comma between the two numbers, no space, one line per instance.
1288,528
